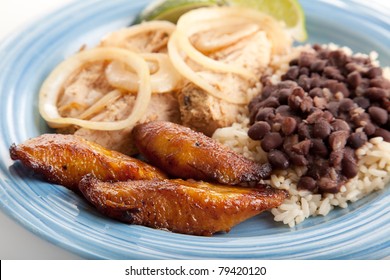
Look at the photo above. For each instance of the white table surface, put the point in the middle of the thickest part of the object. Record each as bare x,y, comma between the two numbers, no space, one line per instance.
15,241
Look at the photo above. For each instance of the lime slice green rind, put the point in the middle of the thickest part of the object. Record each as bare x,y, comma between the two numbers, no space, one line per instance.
171,10
289,12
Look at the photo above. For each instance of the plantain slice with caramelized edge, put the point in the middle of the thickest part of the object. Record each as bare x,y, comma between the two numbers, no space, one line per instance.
65,159
184,153
180,206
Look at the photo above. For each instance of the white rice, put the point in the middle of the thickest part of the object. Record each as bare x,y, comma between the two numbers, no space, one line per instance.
373,161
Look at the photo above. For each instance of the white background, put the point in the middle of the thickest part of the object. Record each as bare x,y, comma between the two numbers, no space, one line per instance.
15,241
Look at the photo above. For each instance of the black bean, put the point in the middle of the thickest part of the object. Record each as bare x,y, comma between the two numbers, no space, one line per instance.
328,116
346,105
357,139
321,129
333,107
369,128
289,125
349,164
328,185
337,58
338,124
306,104
264,114
318,168
293,62
362,88
315,116
259,130
297,159
307,183
360,119
338,139
318,66
319,148
374,72
272,140
254,103
304,82
317,47
378,115
332,72
284,110
316,92
291,74
304,131
315,81
266,80
303,147
323,54
267,91
278,159
380,82
271,101
320,102
304,71
362,102
287,84
376,94
335,159
283,95
354,79
385,134
339,87
305,59
386,105
296,97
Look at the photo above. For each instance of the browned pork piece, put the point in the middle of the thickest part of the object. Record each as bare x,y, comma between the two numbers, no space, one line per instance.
188,207
184,153
204,112
65,159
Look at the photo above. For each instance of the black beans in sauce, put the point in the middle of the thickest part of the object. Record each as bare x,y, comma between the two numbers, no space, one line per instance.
327,105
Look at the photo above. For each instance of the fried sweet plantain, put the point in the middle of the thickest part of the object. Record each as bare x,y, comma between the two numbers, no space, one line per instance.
184,153
188,207
65,159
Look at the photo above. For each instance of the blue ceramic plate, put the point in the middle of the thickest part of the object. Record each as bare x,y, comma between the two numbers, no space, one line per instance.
359,232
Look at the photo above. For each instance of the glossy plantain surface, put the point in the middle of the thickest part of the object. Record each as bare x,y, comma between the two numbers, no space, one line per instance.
65,159
184,153
180,206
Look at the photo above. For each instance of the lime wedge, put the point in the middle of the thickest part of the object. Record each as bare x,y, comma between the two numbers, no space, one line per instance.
171,10
288,11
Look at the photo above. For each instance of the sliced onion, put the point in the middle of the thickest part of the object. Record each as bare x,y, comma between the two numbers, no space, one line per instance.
121,37
100,104
164,77
190,51
236,32
279,37
192,76
53,86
